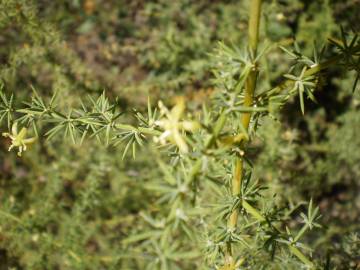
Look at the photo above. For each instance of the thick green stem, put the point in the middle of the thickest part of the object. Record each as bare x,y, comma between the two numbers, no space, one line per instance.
250,85
254,22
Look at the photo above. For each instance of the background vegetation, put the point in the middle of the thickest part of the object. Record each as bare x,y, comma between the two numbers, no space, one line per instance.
72,206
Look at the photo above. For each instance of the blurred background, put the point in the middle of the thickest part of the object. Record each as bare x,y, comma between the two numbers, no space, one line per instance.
65,206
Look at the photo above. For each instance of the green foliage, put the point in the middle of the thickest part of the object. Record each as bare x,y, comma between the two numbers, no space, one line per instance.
204,189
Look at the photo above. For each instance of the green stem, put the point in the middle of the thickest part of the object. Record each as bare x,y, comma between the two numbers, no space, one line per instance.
10,216
250,85
288,84
301,256
295,251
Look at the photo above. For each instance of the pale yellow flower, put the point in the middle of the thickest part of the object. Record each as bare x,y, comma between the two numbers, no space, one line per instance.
19,139
173,125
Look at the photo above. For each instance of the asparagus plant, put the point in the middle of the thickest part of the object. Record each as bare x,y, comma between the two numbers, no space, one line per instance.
212,198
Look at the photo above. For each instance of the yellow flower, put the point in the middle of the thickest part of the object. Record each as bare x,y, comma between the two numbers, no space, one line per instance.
19,139
173,125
